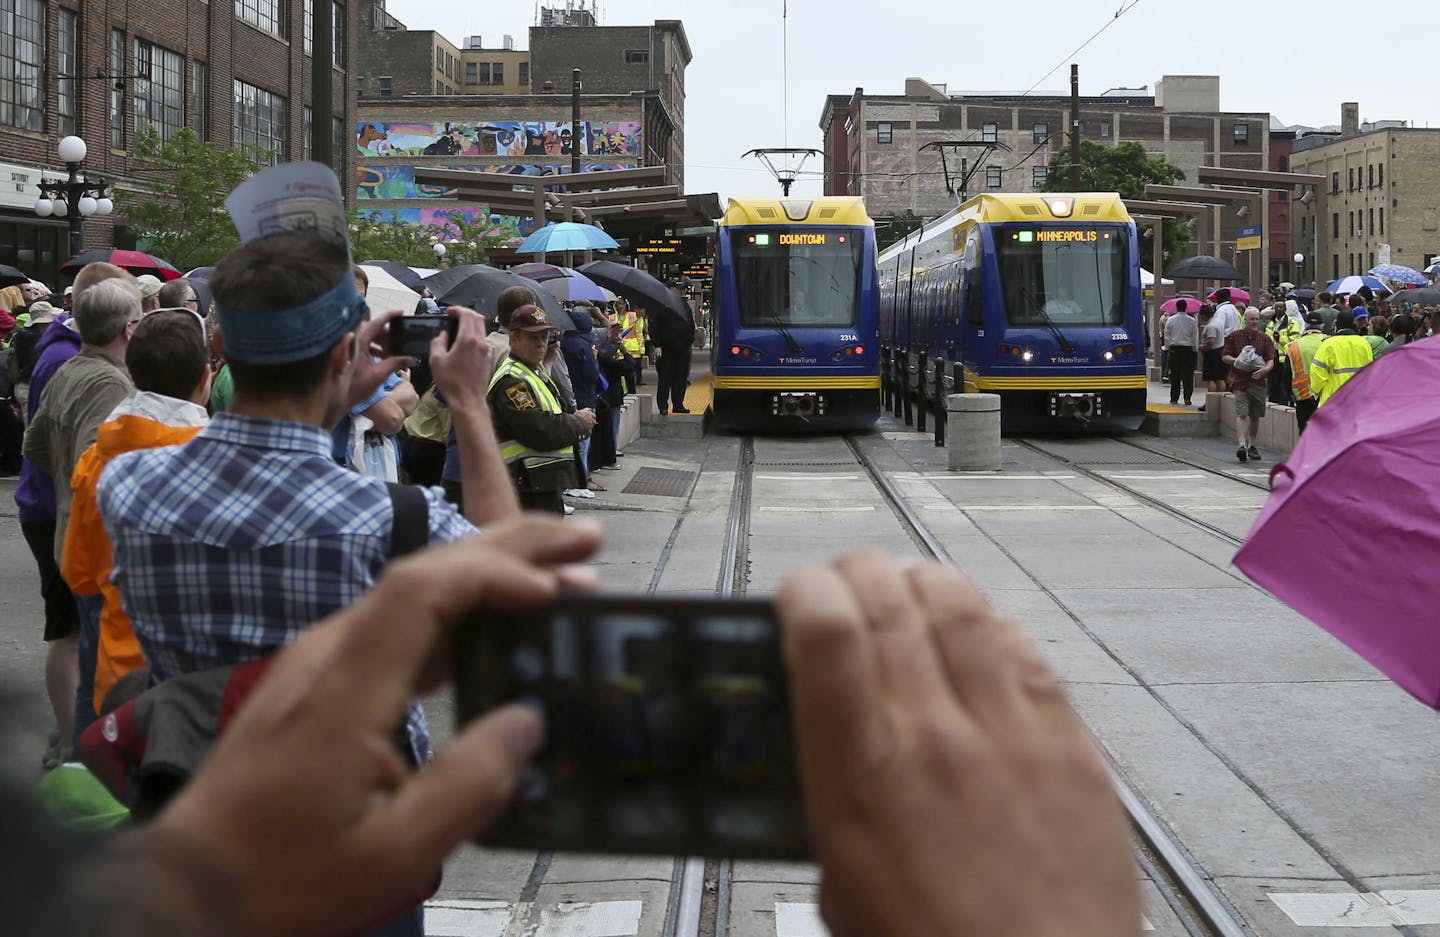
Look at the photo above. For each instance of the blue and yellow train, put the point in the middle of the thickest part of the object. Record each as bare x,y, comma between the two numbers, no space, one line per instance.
1034,297
796,341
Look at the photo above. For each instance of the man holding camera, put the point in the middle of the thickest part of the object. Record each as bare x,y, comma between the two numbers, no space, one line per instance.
537,435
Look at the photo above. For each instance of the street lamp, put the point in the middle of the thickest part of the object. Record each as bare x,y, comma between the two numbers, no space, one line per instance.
74,198
1299,259
439,250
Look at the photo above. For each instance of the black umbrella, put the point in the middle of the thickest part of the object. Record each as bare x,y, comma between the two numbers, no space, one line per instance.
1424,296
10,276
1204,268
399,271
478,287
1304,293
641,289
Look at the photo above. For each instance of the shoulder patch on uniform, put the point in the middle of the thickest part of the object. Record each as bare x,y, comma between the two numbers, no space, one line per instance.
520,396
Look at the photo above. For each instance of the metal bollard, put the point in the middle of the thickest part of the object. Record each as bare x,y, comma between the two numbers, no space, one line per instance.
922,390
973,438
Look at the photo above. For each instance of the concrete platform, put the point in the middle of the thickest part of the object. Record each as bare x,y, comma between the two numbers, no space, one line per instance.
1163,419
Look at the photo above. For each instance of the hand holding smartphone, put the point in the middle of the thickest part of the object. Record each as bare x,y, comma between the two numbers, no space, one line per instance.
412,335
667,725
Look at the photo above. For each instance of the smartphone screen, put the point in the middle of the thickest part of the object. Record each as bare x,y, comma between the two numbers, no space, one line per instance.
412,335
667,725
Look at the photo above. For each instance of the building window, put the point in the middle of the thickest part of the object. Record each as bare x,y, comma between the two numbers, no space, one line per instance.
337,144
637,56
1284,164
439,59
268,15
67,87
22,62
260,121
1282,197
1038,175
1335,225
1350,223
306,125
994,177
1382,219
1242,134
989,133
1380,177
1370,220
1372,261
1040,133
1335,183
484,69
525,73
199,96
884,132
1350,179
497,73
117,95
1359,224
1370,177
1304,226
1105,130
387,86
472,73
1334,266
159,89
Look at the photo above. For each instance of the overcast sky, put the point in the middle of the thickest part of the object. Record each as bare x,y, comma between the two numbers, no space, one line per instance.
1266,52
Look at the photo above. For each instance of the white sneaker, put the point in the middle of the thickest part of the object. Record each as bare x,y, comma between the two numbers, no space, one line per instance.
579,493
569,509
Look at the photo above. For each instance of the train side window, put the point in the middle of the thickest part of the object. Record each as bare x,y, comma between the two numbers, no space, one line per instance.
974,309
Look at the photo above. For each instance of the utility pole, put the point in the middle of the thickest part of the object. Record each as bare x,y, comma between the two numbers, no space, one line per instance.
322,82
1074,128
575,121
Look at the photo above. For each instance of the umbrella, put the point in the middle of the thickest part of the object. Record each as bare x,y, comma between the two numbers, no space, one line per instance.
1351,284
1399,273
574,286
407,277
200,273
1424,296
1204,268
1433,268
1236,295
386,292
1148,279
10,276
477,286
137,262
641,289
1303,293
1287,285
1181,304
1377,434
567,236
540,272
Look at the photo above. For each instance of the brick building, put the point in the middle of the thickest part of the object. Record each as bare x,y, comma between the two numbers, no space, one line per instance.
1382,201
1283,268
415,113
233,71
883,147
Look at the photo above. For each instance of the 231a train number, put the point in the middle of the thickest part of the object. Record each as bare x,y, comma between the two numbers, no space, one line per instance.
849,337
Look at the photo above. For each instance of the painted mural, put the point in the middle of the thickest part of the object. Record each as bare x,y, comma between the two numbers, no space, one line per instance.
504,226
497,138
397,180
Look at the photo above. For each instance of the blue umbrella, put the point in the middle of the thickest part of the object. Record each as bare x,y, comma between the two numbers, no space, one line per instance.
1400,273
1433,268
1347,285
574,285
567,236
200,273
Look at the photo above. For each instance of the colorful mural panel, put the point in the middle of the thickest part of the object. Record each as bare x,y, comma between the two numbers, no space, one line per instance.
497,138
397,180
503,226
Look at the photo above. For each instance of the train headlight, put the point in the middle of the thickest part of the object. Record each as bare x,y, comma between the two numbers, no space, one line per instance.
1027,355
1109,356
1061,207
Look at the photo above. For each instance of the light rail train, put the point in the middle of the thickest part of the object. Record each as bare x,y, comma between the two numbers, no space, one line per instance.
1034,297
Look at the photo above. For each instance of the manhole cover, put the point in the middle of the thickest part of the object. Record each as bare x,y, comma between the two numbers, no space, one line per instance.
667,483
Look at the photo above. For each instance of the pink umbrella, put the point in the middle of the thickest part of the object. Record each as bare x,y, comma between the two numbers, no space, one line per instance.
1237,295
1366,463
1181,304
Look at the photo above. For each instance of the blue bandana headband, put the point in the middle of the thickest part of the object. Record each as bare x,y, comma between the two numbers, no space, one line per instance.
283,336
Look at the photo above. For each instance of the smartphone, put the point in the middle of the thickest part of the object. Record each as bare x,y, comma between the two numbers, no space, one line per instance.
667,725
412,335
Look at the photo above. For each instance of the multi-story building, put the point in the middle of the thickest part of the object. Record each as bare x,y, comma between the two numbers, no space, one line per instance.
413,114
1381,201
235,71
896,152
1283,267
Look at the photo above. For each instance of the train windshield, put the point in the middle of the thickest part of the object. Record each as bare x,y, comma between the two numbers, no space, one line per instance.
1054,277
797,277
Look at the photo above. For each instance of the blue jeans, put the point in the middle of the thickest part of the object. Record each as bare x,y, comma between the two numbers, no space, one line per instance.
89,607
585,456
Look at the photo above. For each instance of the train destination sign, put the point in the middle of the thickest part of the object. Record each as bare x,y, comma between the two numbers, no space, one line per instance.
797,238
1060,236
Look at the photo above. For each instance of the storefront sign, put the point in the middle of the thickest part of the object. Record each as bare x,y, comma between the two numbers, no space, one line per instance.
19,186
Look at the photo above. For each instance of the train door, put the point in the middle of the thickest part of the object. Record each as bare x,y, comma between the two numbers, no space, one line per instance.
972,302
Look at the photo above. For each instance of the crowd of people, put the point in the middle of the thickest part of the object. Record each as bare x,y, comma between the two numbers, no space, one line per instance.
225,569
1295,352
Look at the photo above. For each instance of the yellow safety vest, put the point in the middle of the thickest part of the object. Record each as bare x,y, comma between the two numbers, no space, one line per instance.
512,450
632,332
1340,358
1301,352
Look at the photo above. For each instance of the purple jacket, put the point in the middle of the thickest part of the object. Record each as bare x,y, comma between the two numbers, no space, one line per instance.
35,491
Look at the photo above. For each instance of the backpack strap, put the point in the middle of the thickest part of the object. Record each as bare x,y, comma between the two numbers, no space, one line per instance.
410,519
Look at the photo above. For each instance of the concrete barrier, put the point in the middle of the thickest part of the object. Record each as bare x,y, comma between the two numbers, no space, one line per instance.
1278,431
630,413
972,432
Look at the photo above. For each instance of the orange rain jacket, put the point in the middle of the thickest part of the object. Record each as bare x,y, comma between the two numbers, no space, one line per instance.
142,421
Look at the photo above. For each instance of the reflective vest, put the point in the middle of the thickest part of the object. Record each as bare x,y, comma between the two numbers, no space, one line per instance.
1340,358
515,453
632,332
1283,330
1301,353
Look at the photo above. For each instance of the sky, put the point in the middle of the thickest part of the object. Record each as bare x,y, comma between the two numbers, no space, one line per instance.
1271,56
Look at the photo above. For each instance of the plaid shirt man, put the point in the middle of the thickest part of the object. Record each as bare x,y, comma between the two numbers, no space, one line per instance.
228,547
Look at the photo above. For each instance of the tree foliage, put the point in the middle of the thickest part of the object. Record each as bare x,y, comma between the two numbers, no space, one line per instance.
376,236
180,215
1125,168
